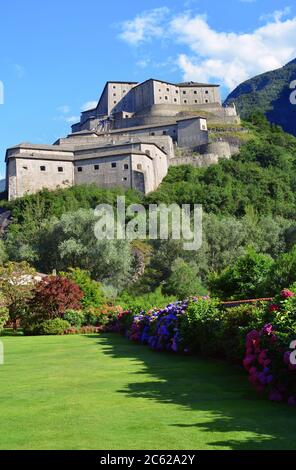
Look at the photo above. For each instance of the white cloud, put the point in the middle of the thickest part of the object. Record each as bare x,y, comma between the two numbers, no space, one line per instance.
65,109
232,57
144,27
211,55
276,15
89,105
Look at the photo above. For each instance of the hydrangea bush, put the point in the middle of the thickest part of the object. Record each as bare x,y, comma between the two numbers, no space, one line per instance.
203,326
268,352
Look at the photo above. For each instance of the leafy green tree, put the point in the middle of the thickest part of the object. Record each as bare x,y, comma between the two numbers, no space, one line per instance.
246,278
283,272
183,281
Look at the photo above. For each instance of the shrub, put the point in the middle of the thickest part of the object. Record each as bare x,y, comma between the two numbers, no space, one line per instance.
145,302
4,315
236,322
16,285
183,281
75,317
101,316
245,279
200,327
84,330
92,290
53,296
54,326
267,357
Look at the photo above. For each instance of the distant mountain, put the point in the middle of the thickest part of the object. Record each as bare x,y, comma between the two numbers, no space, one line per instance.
269,93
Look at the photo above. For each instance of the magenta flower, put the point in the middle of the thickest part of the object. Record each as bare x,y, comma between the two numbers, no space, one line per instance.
286,293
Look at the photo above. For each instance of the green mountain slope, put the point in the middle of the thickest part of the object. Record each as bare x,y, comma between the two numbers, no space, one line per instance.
268,93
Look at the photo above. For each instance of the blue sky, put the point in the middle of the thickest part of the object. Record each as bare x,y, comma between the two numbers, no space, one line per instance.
56,56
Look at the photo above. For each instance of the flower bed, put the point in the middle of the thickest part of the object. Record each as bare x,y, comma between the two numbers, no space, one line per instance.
262,333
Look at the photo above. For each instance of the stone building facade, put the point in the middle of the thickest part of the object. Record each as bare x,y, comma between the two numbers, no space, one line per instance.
129,140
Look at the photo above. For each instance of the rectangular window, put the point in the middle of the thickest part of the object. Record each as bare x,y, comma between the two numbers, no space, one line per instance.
184,92
195,92
166,98
43,168
164,132
97,167
60,169
125,166
113,165
79,169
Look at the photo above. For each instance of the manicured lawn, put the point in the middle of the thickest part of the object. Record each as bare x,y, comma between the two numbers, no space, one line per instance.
103,392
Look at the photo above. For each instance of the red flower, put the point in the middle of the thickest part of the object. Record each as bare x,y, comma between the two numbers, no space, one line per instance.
273,308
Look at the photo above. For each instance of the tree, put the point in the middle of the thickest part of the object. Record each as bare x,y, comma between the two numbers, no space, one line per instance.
16,285
53,296
184,281
283,272
246,278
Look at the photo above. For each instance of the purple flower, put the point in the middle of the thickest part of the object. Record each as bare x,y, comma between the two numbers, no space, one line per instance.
275,395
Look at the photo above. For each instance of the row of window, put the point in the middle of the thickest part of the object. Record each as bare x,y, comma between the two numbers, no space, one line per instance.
97,167
79,168
184,101
184,91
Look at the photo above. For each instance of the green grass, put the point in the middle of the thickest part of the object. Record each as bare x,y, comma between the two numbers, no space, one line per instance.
103,392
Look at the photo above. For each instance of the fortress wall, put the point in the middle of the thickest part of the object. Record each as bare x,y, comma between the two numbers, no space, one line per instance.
105,176
196,160
192,132
166,93
11,178
159,164
30,179
221,149
143,174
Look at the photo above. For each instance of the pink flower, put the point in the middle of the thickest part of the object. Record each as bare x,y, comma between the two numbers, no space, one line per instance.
286,293
248,361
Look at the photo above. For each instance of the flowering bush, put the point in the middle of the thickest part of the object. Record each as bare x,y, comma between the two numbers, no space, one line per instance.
267,358
84,330
103,315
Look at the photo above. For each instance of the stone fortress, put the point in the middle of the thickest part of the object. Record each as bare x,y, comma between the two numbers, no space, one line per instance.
129,140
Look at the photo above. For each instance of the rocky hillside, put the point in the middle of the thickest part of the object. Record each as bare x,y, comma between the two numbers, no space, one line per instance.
268,93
